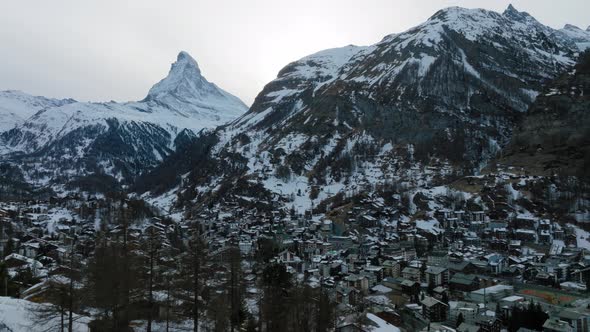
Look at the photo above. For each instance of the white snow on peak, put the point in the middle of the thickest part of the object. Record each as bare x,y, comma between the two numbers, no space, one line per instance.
416,49
470,22
314,71
182,100
580,37
184,71
473,24
16,107
187,92
323,64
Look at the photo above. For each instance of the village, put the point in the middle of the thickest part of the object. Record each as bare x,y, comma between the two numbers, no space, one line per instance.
461,270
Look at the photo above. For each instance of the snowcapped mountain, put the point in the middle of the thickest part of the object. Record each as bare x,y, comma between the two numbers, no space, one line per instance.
17,106
442,97
580,37
188,93
120,140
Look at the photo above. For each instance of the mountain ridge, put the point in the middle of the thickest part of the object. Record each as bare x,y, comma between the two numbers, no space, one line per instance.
444,94
120,140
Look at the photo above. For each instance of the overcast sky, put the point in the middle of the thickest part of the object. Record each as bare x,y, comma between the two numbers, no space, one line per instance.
116,50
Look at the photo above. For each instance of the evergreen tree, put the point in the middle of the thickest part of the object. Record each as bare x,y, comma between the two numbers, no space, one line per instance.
276,282
235,288
193,263
62,295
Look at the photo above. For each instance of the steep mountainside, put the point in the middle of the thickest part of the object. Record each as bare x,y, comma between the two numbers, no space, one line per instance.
66,142
554,137
441,99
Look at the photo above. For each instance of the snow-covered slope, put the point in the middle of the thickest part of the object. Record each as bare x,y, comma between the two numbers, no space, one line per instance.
17,106
19,315
187,92
445,94
477,46
580,37
118,139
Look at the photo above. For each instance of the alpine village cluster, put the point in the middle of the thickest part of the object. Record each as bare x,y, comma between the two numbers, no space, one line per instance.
435,181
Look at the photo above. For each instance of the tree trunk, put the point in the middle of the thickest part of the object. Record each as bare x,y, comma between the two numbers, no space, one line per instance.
151,291
61,327
71,293
196,289
168,309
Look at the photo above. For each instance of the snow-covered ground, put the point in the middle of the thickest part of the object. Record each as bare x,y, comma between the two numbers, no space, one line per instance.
17,315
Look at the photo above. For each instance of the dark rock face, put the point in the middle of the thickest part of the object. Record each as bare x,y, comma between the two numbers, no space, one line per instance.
554,137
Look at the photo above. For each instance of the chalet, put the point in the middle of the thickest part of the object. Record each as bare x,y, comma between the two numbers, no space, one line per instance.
437,276
410,287
434,310
438,258
347,295
464,282
368,221
358,281
440,292
411,273
496,263
488,323
30,249
580,274
468,310
375,270
391,268
477,216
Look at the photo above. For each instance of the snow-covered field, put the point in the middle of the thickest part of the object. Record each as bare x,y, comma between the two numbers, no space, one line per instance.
17,315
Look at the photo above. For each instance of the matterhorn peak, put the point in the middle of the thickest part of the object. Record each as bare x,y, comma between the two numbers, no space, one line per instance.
186,91
184,74
186,59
